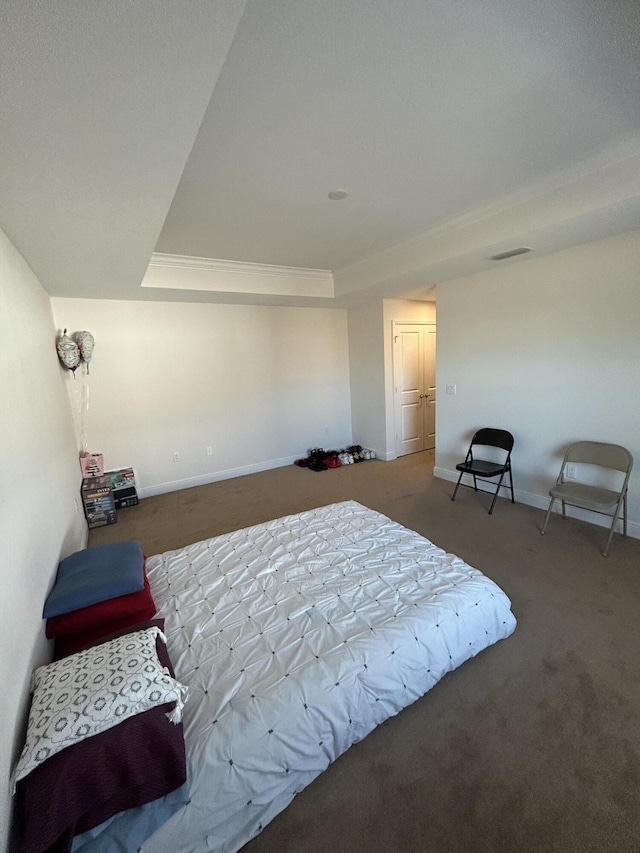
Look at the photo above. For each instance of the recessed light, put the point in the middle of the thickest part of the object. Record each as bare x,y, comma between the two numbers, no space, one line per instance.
338,195
510,254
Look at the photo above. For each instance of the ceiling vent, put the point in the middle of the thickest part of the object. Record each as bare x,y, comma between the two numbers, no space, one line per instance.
510,254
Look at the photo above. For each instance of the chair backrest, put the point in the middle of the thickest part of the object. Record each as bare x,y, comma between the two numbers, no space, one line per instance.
493,438
600,453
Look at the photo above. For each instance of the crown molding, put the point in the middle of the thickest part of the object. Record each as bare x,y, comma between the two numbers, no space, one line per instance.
239,267
552,213
625,155
598,183
185,272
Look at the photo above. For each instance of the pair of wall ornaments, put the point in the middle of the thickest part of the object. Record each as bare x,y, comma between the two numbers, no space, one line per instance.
74,350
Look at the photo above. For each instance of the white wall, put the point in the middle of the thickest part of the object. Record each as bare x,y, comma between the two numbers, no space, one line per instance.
366,361
259,385
39,480
548,348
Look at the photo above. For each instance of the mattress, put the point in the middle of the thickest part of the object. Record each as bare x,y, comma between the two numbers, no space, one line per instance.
297,637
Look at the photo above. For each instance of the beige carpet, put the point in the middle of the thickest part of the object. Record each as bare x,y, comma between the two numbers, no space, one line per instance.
533,745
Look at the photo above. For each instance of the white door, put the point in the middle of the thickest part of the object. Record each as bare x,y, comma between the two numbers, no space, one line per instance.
414,363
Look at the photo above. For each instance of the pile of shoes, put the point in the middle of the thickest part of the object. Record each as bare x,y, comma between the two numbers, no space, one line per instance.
360,453
316,459
320,460
332,459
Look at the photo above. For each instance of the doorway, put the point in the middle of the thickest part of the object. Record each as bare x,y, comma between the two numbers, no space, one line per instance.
414,378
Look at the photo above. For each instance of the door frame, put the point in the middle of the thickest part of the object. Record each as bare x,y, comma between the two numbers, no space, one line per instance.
394,324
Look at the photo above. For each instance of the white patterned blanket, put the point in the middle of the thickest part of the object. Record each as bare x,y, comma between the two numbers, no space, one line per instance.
296,638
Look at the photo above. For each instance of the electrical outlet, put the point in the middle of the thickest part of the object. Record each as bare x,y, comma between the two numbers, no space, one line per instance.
451,389
176,456
209,451
570,472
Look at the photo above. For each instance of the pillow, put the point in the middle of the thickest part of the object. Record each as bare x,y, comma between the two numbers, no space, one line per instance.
92,691
95,615
95,574
81,787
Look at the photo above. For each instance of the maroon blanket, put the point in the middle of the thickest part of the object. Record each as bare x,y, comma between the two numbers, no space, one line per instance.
133,763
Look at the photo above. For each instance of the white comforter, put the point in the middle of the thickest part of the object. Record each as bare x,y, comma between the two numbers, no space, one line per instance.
296,638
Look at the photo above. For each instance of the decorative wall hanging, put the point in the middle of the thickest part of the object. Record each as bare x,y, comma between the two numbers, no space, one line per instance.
85,343
72,351
68,352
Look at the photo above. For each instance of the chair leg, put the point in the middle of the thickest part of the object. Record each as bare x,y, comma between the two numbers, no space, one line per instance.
455,491
613,524
495,497
475,482
624,516
546,520
564,508
513,500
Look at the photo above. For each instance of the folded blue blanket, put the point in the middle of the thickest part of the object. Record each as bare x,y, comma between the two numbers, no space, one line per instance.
127,831
96,574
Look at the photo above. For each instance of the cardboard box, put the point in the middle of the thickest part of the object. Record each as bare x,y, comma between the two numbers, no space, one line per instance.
91,464
97,500
123,483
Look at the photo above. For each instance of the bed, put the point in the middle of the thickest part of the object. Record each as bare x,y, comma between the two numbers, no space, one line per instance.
296,638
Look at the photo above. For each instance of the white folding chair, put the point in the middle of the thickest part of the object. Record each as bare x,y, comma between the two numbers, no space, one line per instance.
595,498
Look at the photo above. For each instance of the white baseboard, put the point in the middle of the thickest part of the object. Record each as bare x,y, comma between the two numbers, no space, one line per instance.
215,476
542,502
229,473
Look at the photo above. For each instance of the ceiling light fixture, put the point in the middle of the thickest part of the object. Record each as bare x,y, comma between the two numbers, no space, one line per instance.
510,254
338,195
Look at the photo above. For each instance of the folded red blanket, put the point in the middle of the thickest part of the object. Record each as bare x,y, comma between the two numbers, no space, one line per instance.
95,615
71,643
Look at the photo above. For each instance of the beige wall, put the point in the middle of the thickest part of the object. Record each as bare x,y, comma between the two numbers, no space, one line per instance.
259,385
39,481
548,348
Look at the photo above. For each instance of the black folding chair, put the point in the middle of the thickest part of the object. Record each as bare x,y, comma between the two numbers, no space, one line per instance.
481,469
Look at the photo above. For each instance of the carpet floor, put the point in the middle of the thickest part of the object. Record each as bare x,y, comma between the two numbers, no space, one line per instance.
534,745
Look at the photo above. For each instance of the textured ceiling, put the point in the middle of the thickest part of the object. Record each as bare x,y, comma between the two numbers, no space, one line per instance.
420,110
216,130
